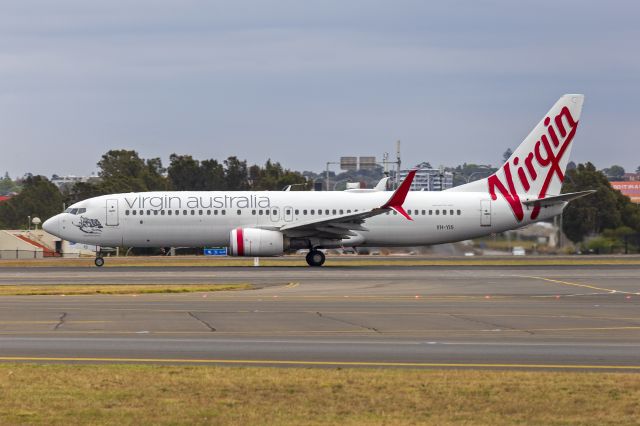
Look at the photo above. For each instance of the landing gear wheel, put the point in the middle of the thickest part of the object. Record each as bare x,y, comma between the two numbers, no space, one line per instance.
99,261
315,258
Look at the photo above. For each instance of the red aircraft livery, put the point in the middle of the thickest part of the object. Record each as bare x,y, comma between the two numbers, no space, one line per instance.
548,152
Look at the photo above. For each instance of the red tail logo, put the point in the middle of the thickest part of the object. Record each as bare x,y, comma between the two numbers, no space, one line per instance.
547,153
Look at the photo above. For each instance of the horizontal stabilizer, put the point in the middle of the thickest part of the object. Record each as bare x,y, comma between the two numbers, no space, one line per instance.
554,199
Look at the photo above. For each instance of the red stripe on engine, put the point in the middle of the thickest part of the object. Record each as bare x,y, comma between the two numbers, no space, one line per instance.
240,242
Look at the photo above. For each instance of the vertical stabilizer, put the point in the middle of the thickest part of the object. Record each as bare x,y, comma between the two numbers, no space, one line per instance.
536,168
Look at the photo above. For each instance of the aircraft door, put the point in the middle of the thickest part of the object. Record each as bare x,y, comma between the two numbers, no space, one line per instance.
275,214
288,214
485,213
112,212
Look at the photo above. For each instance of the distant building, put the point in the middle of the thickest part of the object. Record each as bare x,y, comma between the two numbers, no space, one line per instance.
632,176
629,188
429,179
69,181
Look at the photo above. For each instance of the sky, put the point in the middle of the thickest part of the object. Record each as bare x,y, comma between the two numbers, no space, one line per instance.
305,82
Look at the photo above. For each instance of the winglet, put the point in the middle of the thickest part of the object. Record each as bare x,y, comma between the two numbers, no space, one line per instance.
397,198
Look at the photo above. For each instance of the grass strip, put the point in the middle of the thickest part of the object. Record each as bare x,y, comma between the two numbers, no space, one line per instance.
86,289
143,394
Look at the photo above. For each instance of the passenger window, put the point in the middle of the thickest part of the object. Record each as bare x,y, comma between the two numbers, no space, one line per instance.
423,212
169,212
395,212
341,211
224,212
161,212
430,212
200,212
297,212
215,212
208,212
177,212
333,211
193,212
444,212
312,212
348,211
304,212
133,212
184,212
141,212
459,212
126,212
239,212
253,212
275,212
326,212
437,212
409,212
155,212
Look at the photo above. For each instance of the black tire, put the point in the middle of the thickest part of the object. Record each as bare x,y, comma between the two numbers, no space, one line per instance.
315,258
99,262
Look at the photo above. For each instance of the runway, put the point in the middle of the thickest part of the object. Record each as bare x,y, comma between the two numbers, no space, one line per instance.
426,316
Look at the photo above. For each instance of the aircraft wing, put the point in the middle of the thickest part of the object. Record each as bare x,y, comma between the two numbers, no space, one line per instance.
339,227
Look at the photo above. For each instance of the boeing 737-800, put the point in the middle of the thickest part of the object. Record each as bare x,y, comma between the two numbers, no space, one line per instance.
268,223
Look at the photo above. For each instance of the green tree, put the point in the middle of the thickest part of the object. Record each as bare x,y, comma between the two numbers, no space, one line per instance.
605,209
39,197
236,174
184,173
614,172
212,175
124,171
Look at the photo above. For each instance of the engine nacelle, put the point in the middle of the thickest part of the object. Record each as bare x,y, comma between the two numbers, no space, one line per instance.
255,242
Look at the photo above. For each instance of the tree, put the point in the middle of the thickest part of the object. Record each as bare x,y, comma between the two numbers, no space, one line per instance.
507,154
614,172
605,209
124,171
212,175
39,197
236,174
184,173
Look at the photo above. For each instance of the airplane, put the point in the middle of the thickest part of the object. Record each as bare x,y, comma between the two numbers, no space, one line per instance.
524,190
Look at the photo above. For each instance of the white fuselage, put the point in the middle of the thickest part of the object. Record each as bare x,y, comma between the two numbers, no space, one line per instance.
196,219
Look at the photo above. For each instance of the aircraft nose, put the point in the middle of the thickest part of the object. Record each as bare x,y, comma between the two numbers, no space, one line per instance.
52,225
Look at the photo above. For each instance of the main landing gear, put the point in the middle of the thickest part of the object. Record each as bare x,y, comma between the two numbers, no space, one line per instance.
315,258
99,261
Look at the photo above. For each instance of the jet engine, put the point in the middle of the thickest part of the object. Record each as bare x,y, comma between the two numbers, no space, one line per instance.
255,242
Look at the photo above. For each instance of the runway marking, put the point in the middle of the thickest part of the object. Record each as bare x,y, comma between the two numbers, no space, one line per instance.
416,332
608,290
322,363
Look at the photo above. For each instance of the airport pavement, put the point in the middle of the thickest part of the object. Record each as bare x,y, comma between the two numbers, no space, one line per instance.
426,316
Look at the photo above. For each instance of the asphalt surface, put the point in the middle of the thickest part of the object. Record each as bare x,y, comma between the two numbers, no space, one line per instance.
492,317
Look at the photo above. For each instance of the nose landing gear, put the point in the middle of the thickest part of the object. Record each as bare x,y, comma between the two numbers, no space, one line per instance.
315,258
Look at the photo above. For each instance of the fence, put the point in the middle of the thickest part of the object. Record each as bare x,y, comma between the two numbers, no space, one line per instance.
31,254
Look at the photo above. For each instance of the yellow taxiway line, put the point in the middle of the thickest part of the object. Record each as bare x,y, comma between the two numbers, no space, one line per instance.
592,287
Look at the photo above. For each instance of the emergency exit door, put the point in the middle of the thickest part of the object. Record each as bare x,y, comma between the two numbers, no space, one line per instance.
485,213
112,212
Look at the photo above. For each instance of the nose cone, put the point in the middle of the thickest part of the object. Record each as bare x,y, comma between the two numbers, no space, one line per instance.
52,225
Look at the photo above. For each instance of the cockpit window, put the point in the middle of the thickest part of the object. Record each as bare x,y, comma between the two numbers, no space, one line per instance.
75,211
